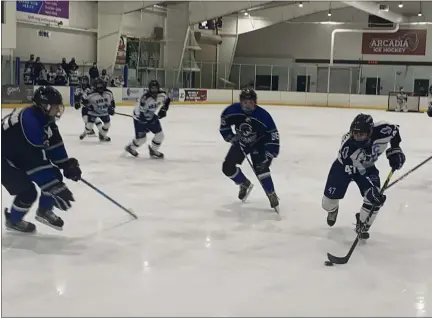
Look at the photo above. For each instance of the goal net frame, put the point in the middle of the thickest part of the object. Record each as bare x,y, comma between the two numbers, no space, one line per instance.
413,102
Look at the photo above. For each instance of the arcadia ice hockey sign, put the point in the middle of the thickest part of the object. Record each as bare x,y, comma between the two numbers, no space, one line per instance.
403,42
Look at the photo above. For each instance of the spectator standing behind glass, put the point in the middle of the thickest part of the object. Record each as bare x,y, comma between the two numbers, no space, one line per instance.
61,77
105,78
65,65
74,76
42,78
117,82
28,75
72,65
93,72
37,68
51,76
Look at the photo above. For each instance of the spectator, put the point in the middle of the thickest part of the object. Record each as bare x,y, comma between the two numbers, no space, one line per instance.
28,74
105,77
72,65
29,63
42,78
37,68
93,72
117,82
74,76
51,76
65,65
61,76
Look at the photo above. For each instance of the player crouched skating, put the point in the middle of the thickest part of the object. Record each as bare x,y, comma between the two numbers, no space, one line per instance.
357,155
101,105
79,92
146,120
255,134
429,110
33,151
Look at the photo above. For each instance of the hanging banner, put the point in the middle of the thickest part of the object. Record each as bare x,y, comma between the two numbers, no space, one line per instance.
402,42
56,12
121,51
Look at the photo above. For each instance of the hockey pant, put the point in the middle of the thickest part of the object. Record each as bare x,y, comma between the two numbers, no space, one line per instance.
84,114
18,184
141,130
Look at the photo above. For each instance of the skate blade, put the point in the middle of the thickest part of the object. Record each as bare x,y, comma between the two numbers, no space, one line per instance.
14,231
248,192
156,158
277,210
43,221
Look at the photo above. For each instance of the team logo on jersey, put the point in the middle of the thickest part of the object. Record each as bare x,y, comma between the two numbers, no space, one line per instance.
386,130
245,130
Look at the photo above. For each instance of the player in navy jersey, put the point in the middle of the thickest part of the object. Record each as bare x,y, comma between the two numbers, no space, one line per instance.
33,151
255,133
359,151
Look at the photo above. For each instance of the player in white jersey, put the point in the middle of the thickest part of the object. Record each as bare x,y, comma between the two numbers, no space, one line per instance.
402,100
100,103
146,120
429,110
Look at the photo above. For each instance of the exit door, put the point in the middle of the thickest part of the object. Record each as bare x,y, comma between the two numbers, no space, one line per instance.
373,86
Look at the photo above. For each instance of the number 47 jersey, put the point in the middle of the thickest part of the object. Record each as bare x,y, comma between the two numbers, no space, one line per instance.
358,159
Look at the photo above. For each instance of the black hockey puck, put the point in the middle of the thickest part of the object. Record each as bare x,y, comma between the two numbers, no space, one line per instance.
328,263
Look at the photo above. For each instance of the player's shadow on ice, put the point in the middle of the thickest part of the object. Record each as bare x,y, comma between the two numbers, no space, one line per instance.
246,212
42,244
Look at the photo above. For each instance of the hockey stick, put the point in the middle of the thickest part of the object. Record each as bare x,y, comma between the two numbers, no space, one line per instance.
343,260
121,114
256,175
409,172
109,198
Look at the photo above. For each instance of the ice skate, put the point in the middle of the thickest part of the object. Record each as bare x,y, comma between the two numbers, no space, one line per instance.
245,189
21,226
361,229
332,217
85,133
104,138
49,218
274,201
155,154
132,151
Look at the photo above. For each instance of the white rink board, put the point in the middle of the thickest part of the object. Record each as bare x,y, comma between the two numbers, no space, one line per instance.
196,251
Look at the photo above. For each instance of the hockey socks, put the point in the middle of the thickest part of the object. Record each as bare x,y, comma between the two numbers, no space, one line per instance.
267,182
238,177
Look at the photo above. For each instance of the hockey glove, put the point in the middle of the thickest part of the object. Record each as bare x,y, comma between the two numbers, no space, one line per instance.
233,139
60,194
111,111
374,197
77,106
71,169
396,157
162,113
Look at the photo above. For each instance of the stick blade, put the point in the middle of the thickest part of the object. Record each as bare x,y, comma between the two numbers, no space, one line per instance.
337,260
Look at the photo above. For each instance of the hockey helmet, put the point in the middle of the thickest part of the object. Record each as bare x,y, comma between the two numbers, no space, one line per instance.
361,128
99,85
49,100
154,86
248,99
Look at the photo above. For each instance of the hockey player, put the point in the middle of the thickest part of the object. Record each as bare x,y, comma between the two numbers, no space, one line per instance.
359,151
33,151
255,133
429,110
146,120
79,92
402,100
100,103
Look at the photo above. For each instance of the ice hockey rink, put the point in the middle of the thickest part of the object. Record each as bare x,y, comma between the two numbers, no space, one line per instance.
196,251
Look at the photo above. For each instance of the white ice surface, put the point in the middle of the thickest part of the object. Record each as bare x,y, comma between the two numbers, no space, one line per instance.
197,251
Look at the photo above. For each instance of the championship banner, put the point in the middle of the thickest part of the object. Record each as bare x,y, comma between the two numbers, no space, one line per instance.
193,95
12,94
402,42
121,51
43,11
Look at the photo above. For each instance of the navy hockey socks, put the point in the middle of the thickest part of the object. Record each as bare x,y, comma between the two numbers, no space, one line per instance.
238,177
267,182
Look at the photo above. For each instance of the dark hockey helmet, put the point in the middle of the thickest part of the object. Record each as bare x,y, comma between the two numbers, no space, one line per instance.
99,85
154,87
85,80
49,100
248,99
361,128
